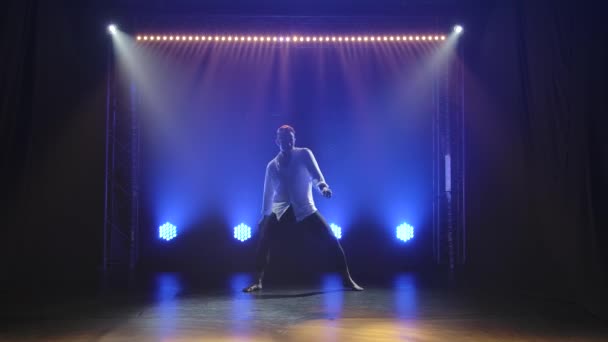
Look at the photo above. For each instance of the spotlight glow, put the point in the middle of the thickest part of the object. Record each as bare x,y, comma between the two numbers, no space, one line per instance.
458,29
112,29
167,231
242,232
405,232
337,230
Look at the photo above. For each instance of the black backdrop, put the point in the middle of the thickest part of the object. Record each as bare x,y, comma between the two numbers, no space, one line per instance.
537,160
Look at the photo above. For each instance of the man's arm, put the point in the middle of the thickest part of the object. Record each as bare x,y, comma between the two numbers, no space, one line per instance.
268,193
315,173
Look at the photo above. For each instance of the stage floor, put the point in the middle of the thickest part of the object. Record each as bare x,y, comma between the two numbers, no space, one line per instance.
167,307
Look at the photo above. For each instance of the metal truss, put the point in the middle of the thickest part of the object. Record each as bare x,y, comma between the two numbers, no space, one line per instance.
449,221
122,174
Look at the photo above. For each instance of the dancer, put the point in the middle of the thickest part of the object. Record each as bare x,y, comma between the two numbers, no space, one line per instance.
288,200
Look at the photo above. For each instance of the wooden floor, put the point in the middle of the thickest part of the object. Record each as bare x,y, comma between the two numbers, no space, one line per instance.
401,308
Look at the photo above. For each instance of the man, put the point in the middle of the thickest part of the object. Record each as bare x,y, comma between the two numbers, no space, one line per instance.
288,200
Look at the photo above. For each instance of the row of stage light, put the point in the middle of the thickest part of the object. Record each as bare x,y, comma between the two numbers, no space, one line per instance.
290,39
243,232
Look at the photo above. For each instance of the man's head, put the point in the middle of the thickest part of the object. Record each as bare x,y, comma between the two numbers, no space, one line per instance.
286,138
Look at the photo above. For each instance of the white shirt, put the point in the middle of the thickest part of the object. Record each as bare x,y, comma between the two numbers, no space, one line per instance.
290,185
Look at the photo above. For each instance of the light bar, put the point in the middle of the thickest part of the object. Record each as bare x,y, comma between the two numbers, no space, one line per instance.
289,39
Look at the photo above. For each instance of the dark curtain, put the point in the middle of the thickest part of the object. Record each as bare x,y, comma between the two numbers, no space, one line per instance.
52,116
537,154
17,67
562,64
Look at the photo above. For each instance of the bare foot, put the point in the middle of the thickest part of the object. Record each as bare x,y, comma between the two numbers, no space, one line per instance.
253,288
350,283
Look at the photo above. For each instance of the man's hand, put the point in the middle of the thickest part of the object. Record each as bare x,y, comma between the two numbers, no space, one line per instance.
326,192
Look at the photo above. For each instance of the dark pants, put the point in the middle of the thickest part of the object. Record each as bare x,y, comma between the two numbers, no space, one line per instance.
314,224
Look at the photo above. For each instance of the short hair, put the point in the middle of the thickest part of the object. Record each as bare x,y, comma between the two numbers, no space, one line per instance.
286,128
